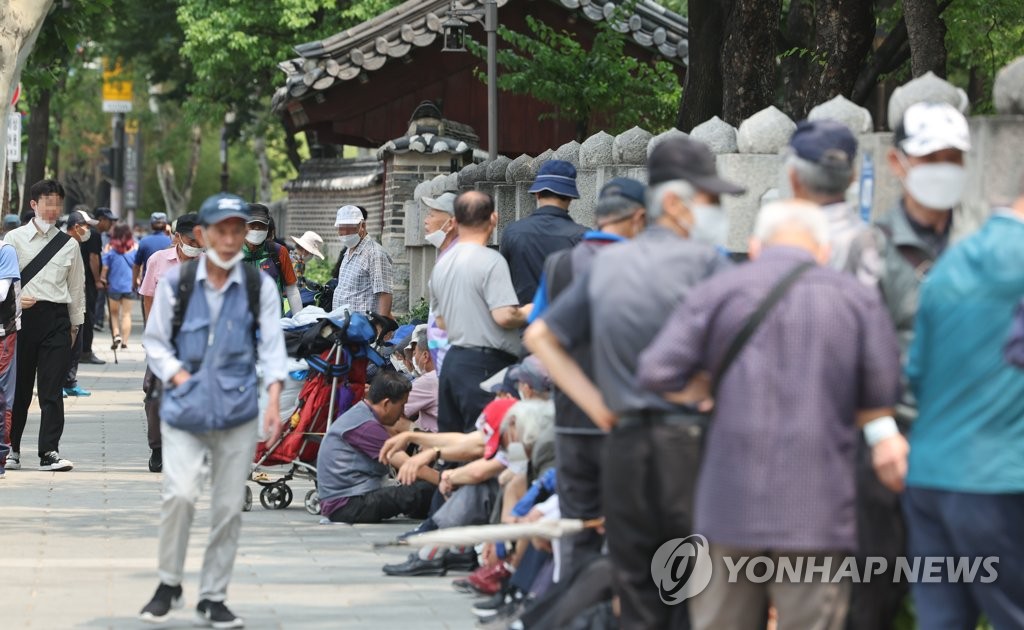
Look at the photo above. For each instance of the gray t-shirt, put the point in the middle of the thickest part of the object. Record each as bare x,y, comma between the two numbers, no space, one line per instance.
622,303
465,286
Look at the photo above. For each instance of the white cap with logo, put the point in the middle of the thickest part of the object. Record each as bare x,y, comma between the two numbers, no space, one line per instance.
348,215
930,127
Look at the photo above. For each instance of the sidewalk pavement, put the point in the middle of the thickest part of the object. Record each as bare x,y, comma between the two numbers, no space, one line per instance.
80,547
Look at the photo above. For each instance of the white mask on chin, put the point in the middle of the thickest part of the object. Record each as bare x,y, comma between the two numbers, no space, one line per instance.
226,265
191,252
436,238
42,225
518,460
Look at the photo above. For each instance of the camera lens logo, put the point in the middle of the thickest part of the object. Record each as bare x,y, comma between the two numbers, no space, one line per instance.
681,568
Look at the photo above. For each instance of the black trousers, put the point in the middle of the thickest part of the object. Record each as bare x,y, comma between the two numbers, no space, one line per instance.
387,502
460,399
71,378
152,389
44,347
87,331
578,458
648,482
881,532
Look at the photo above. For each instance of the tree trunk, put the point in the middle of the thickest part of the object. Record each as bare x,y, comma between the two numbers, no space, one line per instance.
702,91
799,85
748,58
176,198
259,146
927,35
20,21
845,29
38,141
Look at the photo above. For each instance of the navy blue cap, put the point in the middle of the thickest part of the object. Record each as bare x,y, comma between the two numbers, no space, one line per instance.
223,206
825,142
624,187
103,213
557,176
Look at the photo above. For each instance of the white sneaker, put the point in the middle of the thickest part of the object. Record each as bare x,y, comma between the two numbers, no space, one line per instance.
54,462
13,461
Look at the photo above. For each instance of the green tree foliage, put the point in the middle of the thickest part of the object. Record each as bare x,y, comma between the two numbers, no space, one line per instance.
602,84
981,38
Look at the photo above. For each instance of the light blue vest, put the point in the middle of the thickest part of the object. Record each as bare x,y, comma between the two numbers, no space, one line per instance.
222,392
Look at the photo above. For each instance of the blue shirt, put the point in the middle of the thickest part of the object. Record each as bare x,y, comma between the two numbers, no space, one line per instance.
119,278
969,433
148,246
526,243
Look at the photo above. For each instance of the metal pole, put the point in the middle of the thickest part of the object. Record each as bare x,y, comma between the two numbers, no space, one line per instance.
116,190
491,27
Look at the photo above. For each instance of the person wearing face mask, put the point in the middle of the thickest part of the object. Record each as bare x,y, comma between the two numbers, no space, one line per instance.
78,226
185,247
53,296
213,326
422,404
617,307
365,273
441,232
307,246
149,245
271,258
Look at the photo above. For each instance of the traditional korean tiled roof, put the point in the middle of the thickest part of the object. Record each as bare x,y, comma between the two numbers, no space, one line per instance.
325,174
392,35
430,133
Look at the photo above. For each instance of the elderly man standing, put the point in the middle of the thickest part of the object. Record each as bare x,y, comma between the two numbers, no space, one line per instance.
440,231
150,245
213,321
270,257
365,275
472,295
53,300
965,484
651,438
526,243
740,328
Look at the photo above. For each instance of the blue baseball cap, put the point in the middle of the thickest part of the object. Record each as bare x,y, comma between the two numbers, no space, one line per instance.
221,207
625,187
557,176
825,142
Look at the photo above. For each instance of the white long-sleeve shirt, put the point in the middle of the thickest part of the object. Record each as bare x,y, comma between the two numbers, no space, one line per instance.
160,351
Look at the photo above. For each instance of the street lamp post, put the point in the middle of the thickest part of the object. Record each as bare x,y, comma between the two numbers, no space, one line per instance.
454,41
229,118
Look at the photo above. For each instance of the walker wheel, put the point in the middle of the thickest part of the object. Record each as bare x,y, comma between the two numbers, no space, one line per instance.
312,502
247,502
276,497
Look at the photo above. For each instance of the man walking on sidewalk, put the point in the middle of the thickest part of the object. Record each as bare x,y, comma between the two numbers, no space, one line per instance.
212,320
10,322
53,294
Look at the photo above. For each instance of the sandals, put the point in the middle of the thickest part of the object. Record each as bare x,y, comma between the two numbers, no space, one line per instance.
117,343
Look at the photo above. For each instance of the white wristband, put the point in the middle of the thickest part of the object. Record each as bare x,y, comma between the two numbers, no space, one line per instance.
880,429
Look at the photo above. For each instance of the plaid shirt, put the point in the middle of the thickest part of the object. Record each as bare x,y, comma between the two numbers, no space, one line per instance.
365,272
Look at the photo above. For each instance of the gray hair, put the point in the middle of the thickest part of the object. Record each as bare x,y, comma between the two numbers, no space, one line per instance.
534,420
614,207
656,196
791,214
419,337
827,182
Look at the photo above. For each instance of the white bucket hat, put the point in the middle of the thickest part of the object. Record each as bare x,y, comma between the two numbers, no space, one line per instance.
311,242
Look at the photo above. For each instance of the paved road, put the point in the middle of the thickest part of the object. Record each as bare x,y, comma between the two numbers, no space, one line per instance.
79,548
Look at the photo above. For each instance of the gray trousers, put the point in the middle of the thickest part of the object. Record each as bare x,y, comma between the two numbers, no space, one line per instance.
743,604
184,454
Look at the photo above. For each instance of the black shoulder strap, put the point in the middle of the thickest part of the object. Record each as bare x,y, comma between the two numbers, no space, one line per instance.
915,257
755,319
49,250
186,284
252,291
558,270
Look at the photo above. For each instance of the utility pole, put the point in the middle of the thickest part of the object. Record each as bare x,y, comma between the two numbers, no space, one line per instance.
117,181
491,27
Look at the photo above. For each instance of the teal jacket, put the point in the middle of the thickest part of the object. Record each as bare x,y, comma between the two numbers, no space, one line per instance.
969,433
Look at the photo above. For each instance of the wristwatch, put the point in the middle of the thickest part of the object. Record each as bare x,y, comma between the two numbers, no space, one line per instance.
437,455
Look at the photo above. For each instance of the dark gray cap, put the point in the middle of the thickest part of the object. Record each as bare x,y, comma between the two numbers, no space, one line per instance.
689,160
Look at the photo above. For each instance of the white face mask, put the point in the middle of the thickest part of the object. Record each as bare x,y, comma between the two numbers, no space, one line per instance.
191,252
42,225
226,265
518,461
399,365
436,238
938,186
256,237
86,236
710,224
349,240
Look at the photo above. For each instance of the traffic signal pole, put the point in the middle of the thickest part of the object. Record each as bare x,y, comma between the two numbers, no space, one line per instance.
117,181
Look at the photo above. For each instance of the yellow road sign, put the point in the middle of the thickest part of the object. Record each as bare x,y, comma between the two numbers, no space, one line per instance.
117,90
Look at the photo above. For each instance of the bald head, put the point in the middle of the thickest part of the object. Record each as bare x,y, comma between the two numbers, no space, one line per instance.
473,209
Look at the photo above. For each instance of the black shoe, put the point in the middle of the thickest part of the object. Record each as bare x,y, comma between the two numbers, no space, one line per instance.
52,461
216,615
465,561
416,566
488,607
167,598
156,460
92,359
